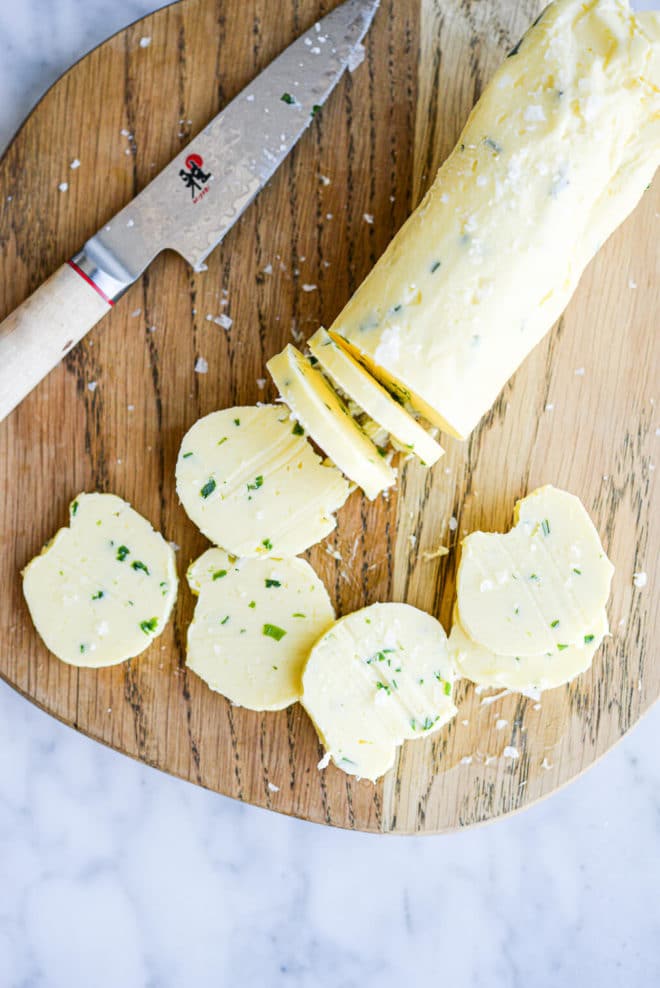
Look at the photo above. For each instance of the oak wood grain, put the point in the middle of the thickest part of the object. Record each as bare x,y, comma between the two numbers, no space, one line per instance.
371,152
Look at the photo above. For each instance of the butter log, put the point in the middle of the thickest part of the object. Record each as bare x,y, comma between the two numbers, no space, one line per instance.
554,156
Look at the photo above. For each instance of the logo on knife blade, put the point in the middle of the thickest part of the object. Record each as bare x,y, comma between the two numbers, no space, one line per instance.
194,177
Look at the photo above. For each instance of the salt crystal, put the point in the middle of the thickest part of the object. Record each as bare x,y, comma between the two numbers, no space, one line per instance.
465,723
640,580
453,524
268,269
75,164
92,386
135,313
579,372
510,752
466,760
368,218
174,546
131,408
145,42
546,764
632,284
261,383
201,366
324,179
549,407
309,288
500,724
273,788
224,320
63,186
325,761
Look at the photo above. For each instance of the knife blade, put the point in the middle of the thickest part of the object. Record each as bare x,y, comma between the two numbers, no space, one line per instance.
190,205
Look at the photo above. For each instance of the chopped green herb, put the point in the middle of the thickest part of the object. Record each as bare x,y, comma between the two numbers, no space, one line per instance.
136,564
163,586
349,761
413,724
493,145
298,614
553,624
534,577
149,626
83,648
545,525
252,604
578,571
208,488
237,421
382,686
588,639
287,98
275,667
219,573
447,688
221,441
122,552
98,595
315,109
435,266
272,631
382,451
186,455
268,544
395,685
225,619
273,583
561,647
298,430
313,361
256,483
74,508
428,724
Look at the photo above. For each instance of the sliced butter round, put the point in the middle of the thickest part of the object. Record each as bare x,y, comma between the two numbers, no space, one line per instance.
538,587
373,399
252,483
317,407
254,624
376,678
102,589
525,672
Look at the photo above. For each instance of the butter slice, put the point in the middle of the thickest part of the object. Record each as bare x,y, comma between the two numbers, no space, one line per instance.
540,587
373,399
319,410
378,677
554,156
526,672
251,482
104,588
254,624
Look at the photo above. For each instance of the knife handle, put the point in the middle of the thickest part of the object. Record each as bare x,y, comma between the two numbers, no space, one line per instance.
41,331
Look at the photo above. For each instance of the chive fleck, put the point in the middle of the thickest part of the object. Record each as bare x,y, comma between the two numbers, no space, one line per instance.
561,647
256,483
534,577
553,624
267,544
272,631
186,455
588,639
221,441
237,421
225,619
315,109
298,430
252,604
74,508
122,552
298,614
149,626
435,266
219,573
136,564
545,525
98,595
287,98
447,688
578,571
83,648
428,724
208,488
273,583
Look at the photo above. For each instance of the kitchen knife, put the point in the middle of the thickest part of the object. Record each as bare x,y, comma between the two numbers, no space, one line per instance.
189,206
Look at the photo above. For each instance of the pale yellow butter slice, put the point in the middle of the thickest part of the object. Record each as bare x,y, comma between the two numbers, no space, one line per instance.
556,153
539,587
373,399
102,589
378,677
525,672
318,408
254,624
251,482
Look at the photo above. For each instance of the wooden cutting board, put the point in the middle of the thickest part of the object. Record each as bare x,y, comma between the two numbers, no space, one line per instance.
580,413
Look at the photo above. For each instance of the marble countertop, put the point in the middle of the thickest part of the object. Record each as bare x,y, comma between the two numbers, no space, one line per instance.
114,875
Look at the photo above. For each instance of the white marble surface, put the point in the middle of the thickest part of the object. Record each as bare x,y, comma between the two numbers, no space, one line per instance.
114,875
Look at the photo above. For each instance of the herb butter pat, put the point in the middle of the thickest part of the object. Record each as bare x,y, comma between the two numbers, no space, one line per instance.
376,678
253,627
102,589
251,482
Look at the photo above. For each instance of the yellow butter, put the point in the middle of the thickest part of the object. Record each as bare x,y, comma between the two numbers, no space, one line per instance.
251,482
327,420
376,678
541,586
554,156
255,622
103,588
373,399
525,673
